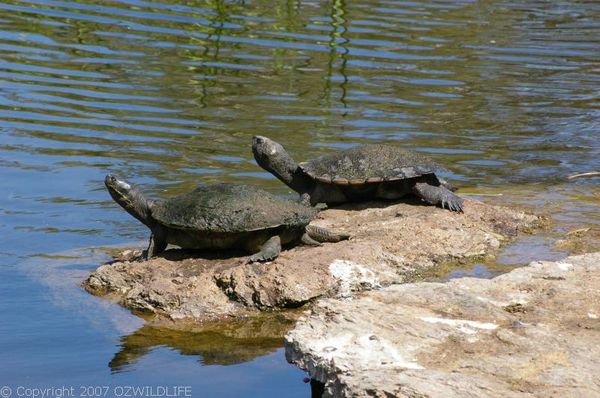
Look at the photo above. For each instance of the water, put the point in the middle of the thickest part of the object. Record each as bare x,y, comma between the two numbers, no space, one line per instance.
169,94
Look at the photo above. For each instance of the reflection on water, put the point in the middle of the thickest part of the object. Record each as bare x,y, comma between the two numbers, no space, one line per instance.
168,94
115,348
222,344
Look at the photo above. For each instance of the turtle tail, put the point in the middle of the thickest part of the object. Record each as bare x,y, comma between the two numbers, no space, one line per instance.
323,235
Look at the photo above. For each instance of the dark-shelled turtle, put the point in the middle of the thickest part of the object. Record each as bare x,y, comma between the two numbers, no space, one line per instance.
222,216
361,173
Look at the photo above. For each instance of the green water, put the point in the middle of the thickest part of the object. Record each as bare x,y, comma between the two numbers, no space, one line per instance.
506,94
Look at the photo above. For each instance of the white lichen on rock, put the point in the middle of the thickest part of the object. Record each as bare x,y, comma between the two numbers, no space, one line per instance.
351,277
564,266
462,325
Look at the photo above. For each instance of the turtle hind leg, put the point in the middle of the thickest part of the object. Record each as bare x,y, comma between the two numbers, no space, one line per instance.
307,240
438,195
268,251
320,234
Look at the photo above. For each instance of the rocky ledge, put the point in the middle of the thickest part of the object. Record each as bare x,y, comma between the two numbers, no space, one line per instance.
533,332
389,244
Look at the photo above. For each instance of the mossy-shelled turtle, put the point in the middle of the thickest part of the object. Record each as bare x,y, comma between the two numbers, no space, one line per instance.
361,173
222,216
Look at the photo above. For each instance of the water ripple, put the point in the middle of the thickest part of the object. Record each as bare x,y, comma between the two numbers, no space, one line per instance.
171,92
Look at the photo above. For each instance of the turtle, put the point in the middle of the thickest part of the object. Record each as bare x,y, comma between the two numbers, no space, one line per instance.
367,172
222,216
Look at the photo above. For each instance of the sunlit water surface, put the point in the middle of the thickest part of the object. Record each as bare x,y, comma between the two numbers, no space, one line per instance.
168,94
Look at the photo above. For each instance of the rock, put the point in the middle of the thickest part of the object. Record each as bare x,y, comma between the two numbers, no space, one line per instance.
177,289
389,244
533,332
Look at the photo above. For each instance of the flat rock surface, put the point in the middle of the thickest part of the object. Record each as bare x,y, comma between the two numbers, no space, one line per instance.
391,243
533,332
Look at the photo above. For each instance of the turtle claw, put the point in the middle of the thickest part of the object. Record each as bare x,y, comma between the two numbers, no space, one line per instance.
452,202
260,258
268,251
456,205
257,258
439,196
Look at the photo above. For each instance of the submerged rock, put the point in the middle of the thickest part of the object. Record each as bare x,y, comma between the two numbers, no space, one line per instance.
389,244
581,240
533,332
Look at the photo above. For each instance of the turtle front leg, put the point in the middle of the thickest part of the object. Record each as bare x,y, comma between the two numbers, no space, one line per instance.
157,245
268,251
438,195
304,199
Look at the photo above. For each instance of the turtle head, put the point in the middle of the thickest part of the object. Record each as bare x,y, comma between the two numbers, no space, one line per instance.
272,157
129,197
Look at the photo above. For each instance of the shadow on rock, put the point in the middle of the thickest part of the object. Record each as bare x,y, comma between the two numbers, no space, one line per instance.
379,204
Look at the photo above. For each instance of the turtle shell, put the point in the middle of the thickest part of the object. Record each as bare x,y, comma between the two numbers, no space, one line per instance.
369,164
230,208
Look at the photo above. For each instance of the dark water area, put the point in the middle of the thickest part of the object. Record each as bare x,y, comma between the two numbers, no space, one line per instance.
505,94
